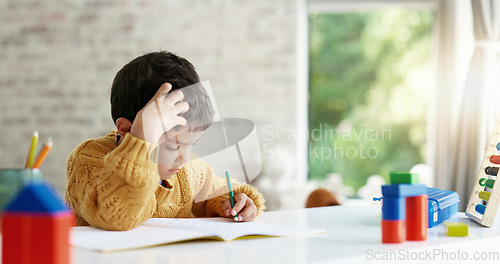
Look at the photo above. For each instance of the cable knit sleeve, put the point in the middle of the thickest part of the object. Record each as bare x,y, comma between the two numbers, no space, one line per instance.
212,192
112,189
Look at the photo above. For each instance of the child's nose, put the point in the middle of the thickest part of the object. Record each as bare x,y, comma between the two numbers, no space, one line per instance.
183,157
179,160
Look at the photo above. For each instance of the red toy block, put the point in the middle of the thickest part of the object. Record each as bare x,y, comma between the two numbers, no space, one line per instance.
495,159
43,239
393,231
36,228
416,218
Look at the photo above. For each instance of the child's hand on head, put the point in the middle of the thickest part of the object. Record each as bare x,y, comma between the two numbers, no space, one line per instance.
244,207
160,114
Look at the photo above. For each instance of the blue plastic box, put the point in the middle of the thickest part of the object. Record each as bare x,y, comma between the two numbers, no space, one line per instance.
443,204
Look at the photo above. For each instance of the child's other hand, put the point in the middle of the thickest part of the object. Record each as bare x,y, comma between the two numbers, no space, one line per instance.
160,114
244,207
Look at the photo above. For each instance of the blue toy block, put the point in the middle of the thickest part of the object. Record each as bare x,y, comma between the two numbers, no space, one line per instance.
403,190
38,197
480,208
394,208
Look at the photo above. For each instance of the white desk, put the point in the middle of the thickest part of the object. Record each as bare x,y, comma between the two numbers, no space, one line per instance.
354,236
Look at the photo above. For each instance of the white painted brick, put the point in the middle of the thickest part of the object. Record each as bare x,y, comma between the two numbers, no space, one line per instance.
58,59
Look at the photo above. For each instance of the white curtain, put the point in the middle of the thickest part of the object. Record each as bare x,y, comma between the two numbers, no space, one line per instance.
480,102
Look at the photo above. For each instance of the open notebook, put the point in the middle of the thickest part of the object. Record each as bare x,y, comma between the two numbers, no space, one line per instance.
158,231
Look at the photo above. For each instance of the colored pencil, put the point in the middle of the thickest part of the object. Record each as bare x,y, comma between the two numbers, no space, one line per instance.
231,195
43,153
32,150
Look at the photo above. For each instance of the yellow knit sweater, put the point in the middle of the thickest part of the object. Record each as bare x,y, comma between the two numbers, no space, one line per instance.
117,187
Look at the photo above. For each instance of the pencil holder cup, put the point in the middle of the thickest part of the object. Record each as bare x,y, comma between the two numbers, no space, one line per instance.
13,180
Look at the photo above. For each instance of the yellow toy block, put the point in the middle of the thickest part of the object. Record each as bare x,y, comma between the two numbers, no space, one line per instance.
456,229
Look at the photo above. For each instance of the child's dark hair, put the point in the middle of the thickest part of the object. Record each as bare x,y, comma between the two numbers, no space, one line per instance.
138,81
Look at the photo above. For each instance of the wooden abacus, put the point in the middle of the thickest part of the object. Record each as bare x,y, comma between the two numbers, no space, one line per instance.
485,196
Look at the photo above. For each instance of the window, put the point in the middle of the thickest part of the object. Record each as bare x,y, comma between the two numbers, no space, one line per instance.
370,77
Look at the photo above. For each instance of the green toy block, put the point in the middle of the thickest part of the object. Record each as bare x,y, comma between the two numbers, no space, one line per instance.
398,177
456,229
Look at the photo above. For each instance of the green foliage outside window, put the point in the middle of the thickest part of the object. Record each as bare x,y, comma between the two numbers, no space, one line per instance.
370,76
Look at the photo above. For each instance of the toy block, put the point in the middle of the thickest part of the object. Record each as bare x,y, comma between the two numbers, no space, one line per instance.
393,231
456,229
495,159
398,177
403,190
480,208
488,183
492,171
36,227
416,218
484,195
393,208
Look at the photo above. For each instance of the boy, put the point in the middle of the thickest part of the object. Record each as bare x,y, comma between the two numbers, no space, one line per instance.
111,182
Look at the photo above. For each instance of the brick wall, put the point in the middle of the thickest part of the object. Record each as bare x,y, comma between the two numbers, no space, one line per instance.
58,59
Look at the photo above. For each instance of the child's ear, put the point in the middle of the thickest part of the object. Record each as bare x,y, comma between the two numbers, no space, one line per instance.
123,126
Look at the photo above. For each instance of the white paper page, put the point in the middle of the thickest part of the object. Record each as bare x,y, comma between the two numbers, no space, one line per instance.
143,236
157,231
227,229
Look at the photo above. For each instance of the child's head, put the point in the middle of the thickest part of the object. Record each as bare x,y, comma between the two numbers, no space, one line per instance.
138,81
